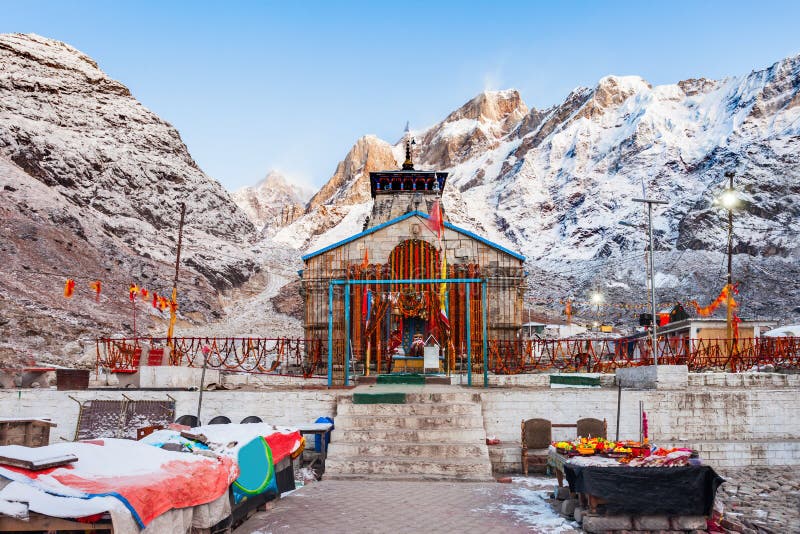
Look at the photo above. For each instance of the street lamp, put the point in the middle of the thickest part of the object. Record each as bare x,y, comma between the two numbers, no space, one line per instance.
650,203
597,299
729,200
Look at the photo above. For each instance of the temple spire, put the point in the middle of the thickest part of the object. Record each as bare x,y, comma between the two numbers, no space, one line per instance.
408,164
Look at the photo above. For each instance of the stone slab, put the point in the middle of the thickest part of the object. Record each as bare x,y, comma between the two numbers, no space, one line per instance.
651,522
176,377
653,377
594,523
689,522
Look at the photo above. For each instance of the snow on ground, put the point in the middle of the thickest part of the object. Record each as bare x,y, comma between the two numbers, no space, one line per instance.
528,503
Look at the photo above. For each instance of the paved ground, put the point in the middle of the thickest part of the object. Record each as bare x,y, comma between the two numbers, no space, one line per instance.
755,500
761,499
333,506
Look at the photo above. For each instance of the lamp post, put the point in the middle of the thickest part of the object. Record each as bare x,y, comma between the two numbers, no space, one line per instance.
729,201
654,338
597,299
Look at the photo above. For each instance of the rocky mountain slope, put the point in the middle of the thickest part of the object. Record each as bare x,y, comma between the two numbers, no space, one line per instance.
273,201
556,183
91,185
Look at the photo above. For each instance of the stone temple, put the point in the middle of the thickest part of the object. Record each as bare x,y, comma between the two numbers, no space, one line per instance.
410,277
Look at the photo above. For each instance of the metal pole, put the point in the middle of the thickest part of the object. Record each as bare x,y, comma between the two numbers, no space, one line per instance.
174,300
469,340
484,334
346,334
653,330
652,283
202,380
619,404
450,336
729,303
330,333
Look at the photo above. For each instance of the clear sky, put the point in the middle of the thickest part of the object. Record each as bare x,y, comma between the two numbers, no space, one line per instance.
291,85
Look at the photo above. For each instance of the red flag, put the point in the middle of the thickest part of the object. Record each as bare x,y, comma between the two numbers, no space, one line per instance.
69,288
155,299
133,291
364,290
435,222
96,286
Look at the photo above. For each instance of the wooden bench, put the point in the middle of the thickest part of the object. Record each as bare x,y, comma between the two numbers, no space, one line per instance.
29,432
311,458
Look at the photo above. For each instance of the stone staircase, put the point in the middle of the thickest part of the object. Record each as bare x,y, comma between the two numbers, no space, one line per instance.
431,436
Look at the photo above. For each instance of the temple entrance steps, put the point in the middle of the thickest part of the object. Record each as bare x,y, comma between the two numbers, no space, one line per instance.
409,433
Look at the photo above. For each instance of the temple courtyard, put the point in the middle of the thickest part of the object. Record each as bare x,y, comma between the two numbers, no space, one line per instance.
755,500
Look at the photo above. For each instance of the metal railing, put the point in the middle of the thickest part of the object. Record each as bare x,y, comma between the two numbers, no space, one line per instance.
278,356
606,355
309,357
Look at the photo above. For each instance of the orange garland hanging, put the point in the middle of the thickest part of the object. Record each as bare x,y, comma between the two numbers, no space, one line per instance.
705,311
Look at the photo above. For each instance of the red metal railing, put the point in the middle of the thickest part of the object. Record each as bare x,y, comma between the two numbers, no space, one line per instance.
605,355
309,357
279,356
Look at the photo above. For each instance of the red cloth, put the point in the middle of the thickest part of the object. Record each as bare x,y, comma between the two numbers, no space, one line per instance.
177,484
283,444
162,484
435,222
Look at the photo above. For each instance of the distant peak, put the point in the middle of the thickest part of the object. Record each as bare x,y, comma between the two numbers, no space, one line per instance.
51,53
491,106
628,84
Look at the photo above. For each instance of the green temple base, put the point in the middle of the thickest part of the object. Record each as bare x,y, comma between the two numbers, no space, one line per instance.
574,381
402,378
379,398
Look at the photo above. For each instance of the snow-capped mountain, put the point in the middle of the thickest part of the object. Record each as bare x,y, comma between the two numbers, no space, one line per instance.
556,183
91,185
273,201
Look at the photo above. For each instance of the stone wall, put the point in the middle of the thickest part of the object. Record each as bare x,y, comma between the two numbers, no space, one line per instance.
280,407
733,420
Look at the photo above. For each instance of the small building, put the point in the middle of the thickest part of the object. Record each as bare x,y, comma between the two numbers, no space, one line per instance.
411,273
710,328
792,330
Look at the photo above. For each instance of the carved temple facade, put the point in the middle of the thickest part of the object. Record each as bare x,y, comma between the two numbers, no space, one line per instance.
411,272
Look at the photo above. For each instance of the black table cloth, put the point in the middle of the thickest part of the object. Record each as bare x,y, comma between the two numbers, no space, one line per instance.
688,490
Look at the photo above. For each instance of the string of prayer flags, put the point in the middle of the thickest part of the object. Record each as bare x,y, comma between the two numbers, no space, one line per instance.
69,288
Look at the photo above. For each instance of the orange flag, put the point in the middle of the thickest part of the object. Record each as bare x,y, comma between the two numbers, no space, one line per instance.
134,290
69,288
96,286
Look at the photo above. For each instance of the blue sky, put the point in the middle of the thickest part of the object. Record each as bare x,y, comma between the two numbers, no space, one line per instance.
291,85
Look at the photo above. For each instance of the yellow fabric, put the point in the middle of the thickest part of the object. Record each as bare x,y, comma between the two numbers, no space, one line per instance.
443,287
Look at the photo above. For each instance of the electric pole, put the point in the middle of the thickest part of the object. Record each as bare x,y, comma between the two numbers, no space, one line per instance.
653,336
